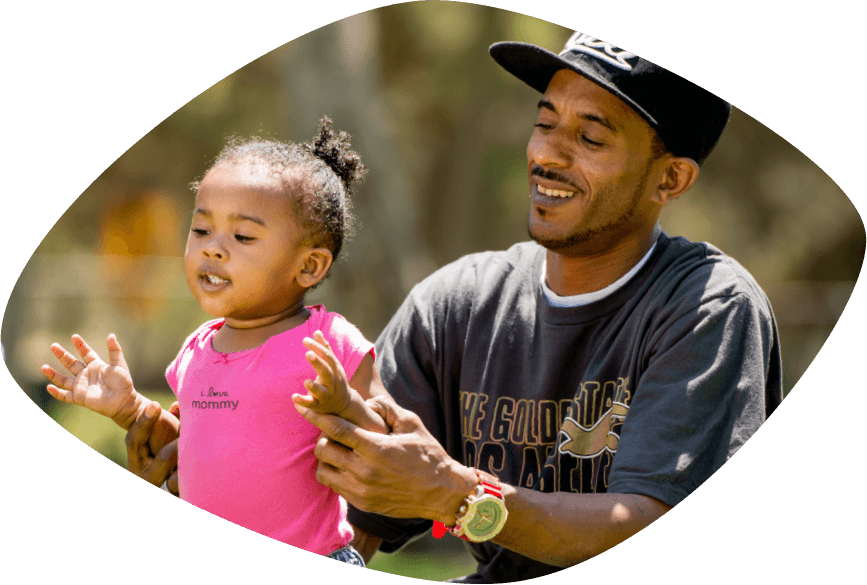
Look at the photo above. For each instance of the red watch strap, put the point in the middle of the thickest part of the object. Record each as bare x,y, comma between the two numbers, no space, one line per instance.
439,529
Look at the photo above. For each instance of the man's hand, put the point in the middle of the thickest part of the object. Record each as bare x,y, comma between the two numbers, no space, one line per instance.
105,388
157,468
406,474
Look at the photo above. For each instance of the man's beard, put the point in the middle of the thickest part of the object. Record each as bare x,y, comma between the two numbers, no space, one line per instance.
601,234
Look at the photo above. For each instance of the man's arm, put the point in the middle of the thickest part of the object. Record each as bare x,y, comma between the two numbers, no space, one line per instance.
408,474
563,529
365,543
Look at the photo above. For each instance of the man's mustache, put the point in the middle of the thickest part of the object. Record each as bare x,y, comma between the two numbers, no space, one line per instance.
551,175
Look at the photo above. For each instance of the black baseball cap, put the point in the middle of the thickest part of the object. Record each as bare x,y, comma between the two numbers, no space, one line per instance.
688,119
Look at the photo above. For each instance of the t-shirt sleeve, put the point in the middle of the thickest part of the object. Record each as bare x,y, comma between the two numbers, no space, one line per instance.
348,343
173,371
699,399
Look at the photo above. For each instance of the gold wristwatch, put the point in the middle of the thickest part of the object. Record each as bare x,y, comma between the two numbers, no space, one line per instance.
482,515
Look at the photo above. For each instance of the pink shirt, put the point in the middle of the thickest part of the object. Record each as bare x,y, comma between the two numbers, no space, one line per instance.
245,454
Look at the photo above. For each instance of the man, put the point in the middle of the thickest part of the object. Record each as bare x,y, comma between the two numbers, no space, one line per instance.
556,398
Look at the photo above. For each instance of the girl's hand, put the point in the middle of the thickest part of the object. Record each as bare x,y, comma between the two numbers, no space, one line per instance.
105,388
330,392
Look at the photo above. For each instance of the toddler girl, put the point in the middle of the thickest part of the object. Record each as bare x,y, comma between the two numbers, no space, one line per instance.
269,221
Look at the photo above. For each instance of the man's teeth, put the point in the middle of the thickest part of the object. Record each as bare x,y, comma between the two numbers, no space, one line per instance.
215,279
555,192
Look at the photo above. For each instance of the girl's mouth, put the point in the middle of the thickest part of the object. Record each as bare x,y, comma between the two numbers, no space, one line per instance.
215,279
212,282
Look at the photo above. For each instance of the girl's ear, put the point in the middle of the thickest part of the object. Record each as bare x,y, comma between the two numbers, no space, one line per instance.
315,265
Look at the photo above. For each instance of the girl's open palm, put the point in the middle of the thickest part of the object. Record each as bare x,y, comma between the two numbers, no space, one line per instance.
105,388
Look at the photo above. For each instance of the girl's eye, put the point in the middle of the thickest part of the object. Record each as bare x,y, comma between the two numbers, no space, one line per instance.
244,239
199,231
544,126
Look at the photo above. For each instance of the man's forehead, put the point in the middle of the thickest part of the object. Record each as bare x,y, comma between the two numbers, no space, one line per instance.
570,92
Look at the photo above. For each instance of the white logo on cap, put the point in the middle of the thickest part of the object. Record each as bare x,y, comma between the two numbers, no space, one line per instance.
599,49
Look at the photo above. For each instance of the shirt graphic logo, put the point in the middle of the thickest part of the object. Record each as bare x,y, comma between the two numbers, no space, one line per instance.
582,43
585,443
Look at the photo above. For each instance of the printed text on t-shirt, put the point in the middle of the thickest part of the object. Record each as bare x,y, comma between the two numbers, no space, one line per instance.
217,404
564,445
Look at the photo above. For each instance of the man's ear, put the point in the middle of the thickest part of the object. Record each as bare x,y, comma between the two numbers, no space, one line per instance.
679,173
316,263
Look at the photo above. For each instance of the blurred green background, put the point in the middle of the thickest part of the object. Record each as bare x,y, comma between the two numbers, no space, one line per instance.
443,130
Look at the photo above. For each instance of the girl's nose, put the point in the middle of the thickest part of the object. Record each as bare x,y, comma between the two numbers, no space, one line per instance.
213,249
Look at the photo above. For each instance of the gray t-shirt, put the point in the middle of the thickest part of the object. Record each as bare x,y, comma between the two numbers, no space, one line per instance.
647,391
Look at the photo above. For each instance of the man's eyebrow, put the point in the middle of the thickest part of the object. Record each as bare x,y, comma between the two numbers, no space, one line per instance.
599,120
233,217
543,103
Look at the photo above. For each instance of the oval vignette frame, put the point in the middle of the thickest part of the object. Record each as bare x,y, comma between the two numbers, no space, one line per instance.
746,495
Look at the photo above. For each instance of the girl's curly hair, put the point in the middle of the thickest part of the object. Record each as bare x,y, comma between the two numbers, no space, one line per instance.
319,176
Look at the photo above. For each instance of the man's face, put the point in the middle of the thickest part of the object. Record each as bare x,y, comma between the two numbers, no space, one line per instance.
591,169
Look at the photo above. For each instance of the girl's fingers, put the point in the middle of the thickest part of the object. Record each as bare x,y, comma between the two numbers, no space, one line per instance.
329,355
323,351
57,378
318,336
321,367
68,360
86,352
62,395
315,389
115,353
304,400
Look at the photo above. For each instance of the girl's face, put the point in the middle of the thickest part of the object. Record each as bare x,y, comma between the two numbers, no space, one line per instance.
243,256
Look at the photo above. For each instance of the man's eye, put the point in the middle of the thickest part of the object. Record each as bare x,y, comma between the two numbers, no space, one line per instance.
244,239
591,142
544,126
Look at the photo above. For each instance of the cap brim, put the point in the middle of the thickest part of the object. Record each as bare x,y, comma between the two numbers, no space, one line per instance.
536,66
533,65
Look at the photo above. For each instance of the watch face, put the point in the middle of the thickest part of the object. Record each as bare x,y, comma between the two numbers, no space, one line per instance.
486,520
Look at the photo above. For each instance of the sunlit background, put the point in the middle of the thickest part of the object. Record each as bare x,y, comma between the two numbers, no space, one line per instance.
443,130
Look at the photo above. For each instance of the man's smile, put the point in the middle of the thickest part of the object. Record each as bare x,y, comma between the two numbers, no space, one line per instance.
555,192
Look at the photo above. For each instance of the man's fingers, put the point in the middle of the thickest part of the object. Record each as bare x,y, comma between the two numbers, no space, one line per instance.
165,462
169,453
337,429
142,428
173,483
387,408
